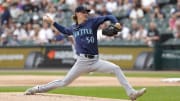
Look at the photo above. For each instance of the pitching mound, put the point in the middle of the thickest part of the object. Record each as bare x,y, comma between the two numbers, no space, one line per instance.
49,97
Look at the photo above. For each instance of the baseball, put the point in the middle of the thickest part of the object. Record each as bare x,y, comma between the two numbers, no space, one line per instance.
45,17
48,18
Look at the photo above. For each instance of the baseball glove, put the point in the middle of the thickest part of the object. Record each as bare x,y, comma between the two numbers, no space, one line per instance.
111,30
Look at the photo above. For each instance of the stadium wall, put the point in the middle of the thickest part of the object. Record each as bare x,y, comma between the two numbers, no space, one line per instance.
30,57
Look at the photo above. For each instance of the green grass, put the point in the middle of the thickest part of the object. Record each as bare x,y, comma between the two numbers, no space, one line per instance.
154,74
32,72
13,89
167,93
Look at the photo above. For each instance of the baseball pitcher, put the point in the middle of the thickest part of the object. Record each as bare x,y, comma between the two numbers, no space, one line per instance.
84,32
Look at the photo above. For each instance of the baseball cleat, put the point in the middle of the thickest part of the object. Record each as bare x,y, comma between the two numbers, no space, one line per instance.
133,96
31,91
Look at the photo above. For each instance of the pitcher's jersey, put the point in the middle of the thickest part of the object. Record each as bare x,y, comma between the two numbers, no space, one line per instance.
85,34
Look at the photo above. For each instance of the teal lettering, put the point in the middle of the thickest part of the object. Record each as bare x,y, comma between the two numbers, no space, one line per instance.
82,32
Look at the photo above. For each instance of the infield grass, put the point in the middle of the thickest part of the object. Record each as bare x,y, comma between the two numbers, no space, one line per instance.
167,93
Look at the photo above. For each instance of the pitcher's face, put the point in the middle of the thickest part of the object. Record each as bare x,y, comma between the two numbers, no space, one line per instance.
82,15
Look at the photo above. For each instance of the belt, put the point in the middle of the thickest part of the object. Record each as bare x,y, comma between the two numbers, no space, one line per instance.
89,56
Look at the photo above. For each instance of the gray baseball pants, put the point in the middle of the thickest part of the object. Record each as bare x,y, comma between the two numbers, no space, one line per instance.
85,65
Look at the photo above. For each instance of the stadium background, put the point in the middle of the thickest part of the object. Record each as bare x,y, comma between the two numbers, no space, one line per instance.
25,38
31,53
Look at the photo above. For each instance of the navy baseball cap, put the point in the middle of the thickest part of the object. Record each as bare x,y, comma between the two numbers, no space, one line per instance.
81,9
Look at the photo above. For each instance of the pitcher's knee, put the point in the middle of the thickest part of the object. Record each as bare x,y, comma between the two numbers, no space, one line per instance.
64,83
116,68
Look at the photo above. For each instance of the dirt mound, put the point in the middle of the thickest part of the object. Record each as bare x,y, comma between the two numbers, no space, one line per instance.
49,97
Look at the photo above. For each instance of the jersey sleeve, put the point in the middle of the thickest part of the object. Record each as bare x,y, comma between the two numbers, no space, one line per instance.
101,19
62,29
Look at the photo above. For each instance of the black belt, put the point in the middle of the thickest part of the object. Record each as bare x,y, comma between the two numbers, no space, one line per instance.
89,56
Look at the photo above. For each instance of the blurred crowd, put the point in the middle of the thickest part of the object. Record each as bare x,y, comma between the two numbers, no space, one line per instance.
21,20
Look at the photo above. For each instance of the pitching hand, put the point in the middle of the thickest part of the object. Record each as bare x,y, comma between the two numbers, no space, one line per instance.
48,19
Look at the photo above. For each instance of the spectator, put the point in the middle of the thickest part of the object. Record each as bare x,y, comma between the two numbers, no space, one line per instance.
176,11
134,28
153,40
29,29
157,14
175,15
28,7
124,5
36,6
3,40
141,33
34,35
43,5
93,11
52,12
45,34
66,14
20,4
99,5
72,4
152,36
64,6
10,27
111,5
60,15
80,2
103,11
136,12
7,39
58,38
1,9
147,5
172,22
176,31
5,17
15,11
20,33
124,34
1,30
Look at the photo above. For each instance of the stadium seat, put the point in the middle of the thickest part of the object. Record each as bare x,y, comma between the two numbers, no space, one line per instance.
172,41
24,18
144,21
122,14
126,22
162,1
167,9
